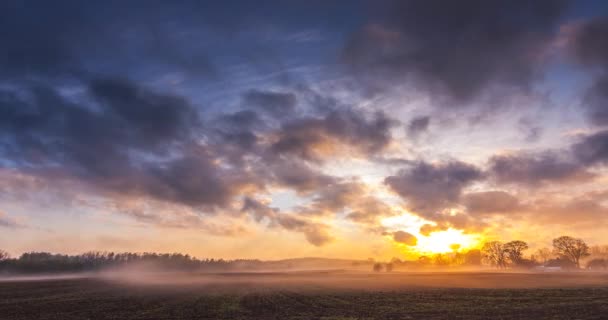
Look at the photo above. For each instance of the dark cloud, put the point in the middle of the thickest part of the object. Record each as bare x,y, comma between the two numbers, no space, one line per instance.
490,202
592,149
590,44
427,229
125,141
534,169
428,188
276,104
405,238
298,175
128,140
315,138
596,100
72,38
590,47
418,126
456,49
236,132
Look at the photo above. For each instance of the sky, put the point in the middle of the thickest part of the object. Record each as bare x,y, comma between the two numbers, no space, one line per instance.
281,129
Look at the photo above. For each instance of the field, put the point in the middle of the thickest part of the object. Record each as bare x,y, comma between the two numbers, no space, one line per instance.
310,295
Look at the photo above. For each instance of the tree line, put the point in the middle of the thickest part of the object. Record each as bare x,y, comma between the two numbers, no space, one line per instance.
566,253
44,262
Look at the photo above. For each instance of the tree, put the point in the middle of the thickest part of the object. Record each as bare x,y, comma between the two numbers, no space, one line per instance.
378,267
515,251
389,267
543,255
424,260
441,259
495,254
473,257
4,255
571,249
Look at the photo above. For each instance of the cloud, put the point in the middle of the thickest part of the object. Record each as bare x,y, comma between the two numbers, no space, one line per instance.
276,104
353,198
317,234
334,198
590,48
161,214
405,238
534,169
490,202
576,211
417,126
297,175
41,126
314,138
592,149
456,50
427,229
138,142
59,45
429,188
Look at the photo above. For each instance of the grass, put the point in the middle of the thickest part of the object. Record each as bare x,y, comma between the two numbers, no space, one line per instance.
103,299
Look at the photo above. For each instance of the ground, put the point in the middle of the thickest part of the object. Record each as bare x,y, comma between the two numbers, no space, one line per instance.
310,296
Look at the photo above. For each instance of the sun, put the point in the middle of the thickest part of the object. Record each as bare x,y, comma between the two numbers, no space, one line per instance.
441,241
446,241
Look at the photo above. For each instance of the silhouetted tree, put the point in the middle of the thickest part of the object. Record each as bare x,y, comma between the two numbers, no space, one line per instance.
473,257
571,249
495,254
4,255
424,260
441,259
543,255
388,267
515,251
378,267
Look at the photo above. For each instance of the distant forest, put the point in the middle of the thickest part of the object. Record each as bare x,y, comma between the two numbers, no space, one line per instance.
567,254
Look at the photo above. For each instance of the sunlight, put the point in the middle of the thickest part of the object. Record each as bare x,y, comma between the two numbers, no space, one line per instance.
446,241
436,242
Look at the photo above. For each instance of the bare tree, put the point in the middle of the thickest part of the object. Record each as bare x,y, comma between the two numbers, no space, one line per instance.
495,254
571,249
4,255
543,255
515,251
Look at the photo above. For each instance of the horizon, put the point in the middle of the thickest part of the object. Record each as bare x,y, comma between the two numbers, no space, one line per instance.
289,130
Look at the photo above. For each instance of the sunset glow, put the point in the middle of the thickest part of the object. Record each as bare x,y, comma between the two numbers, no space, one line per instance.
450,240
281,129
